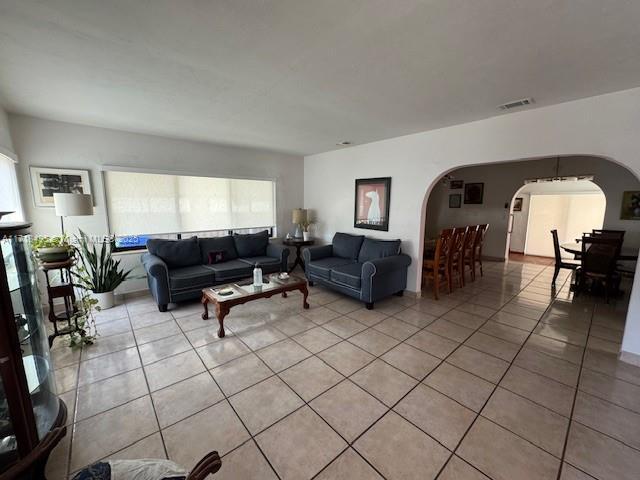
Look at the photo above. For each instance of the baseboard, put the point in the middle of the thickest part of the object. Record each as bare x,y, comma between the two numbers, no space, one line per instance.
630,358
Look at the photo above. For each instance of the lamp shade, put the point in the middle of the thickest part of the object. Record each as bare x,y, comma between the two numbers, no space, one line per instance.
299,215
73,204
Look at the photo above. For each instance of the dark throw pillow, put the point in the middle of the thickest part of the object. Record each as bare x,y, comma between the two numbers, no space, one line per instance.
252,244
217,244
216,257
176,253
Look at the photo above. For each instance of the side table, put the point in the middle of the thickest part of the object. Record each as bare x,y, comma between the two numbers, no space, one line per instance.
298,243
64,290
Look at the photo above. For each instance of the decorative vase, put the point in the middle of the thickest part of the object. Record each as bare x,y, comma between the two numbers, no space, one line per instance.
306,236
105,299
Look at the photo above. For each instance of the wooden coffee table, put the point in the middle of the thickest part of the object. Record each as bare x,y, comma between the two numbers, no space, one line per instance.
244,292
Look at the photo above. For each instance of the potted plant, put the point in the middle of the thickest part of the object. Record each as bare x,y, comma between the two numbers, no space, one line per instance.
98,271
306,234
52,249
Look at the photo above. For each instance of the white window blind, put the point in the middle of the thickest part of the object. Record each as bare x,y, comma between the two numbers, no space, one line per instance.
9,193
152,203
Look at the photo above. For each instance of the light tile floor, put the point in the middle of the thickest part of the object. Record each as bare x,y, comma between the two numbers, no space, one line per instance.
502,379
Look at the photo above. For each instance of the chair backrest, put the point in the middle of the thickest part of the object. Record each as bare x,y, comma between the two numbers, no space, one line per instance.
470,238
599,254
556,246
479,241
457,243
619,234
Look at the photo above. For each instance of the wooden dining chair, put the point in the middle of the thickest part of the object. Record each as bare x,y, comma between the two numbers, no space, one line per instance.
456,257
598,264
469,242
481,232
560,262
436,269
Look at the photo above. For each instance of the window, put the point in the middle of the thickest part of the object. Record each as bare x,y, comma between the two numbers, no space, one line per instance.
151,204
9,193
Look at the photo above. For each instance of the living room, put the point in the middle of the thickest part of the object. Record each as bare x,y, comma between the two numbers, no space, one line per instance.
245,124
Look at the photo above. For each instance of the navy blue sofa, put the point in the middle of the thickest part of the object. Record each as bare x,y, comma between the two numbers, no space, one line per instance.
178,270
363,268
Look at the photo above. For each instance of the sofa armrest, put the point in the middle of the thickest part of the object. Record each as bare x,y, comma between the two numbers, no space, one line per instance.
380,266
157,277
316,253
280,252
384,276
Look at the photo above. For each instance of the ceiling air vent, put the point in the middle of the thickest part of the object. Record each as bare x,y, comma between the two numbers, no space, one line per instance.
516,104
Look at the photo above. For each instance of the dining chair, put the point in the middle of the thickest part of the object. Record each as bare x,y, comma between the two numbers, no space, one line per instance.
560,262
436,268
598,263
469,242
481,232
456,257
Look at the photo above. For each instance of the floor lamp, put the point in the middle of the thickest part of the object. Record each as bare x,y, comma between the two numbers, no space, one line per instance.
72,205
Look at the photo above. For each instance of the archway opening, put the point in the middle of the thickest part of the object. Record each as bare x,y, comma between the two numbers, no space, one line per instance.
570,206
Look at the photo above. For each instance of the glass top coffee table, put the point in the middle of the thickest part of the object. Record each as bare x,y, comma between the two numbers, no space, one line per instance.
223,297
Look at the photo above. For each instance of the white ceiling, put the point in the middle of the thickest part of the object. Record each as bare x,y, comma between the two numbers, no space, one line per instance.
301,75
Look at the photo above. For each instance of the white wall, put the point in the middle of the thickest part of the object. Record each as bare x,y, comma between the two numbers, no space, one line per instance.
605,125
6,145
519,225
502,181
47,143
571,214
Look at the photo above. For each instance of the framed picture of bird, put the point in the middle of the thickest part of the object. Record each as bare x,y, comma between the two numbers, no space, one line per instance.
373,197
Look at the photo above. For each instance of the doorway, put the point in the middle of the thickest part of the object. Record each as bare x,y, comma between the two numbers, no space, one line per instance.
571,207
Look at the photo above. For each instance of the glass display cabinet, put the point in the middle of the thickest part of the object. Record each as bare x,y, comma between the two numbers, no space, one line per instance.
32,417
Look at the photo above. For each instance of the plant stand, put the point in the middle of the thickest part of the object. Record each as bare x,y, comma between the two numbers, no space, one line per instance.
64,290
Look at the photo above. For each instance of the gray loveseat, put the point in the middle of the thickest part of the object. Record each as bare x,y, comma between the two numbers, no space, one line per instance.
363,268
178,270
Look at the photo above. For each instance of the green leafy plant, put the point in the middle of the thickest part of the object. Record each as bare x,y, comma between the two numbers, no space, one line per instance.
98,271
87,332
42,241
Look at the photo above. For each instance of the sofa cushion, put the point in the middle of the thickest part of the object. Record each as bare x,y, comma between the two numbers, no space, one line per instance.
176,253
347,246
197,276
322,267
252,244
372,249
231,270
225,244
349,274
267,264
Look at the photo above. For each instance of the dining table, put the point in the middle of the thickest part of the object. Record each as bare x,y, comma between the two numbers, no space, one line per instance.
626,253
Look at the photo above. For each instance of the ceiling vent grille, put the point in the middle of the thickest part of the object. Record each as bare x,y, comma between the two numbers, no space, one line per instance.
516,104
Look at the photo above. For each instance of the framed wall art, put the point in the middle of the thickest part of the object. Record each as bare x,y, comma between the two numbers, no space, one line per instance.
456,184
372,203
473,193
47,181
630,209
517,204
455,200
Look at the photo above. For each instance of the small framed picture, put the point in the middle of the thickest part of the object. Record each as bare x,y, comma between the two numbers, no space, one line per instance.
630,206
517,204
473,193
47,181
456,184
455,200
372,203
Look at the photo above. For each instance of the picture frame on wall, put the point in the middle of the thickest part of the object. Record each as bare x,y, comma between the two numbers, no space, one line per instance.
517,204
455,200
47,181
473,193
372,203
630,209
456,184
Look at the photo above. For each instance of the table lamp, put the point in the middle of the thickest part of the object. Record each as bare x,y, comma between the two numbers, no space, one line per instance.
72,205
299,217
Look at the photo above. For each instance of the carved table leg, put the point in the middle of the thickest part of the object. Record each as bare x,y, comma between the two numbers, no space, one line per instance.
205,302
305,292
284,294
221,312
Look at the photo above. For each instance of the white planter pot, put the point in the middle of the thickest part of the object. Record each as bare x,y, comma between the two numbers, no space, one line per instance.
306,236
105,300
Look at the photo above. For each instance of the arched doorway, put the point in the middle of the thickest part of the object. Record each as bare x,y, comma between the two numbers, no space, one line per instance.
571,206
